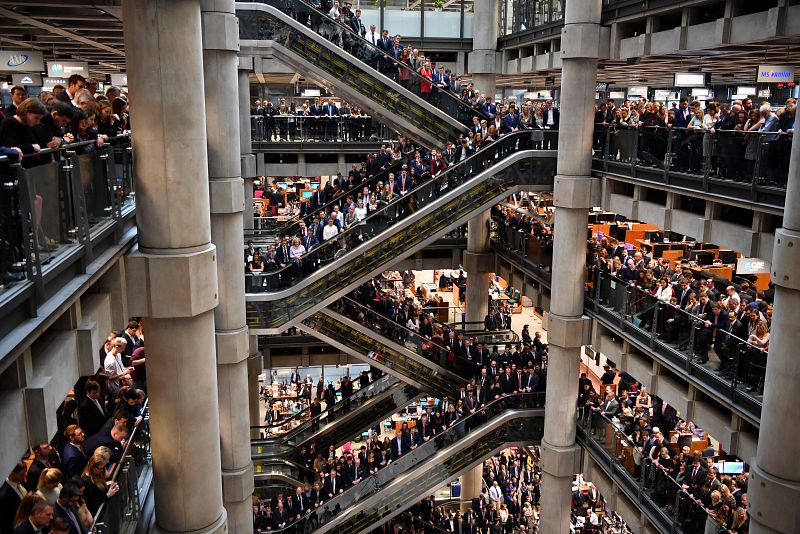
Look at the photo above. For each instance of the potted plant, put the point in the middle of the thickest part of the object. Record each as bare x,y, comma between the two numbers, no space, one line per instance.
438,5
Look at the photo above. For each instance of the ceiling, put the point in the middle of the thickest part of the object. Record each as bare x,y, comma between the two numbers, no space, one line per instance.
91,30
82,30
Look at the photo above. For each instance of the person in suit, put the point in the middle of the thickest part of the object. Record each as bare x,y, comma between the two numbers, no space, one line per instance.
299,503
330,112
39,519
399,445
280,516
608,375
66,508
607,409
550,115
18,96
11,493
334,484
41,454
112,440
73,458
315,409
92,413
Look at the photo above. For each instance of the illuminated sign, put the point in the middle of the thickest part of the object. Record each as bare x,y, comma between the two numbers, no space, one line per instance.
774,73
752,266
65,69
21,61
689,79
27,79
745,90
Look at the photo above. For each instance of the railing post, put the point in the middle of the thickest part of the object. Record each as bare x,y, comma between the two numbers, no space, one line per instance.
653,325
668,155
635,151
690,345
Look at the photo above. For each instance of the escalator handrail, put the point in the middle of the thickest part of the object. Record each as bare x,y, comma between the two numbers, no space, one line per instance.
289,229
462,362
417,472
283,462
453,428
508,139
384,56
344,55
305,412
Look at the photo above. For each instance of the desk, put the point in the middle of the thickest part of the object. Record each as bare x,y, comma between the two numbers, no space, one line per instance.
398,420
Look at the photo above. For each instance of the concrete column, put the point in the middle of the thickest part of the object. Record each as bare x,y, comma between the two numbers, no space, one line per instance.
254,367
774,488
173,276
220,65
484,60
572,197
478,264
471,485
245,140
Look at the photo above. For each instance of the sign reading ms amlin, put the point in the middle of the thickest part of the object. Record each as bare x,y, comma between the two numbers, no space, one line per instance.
775,74
21,61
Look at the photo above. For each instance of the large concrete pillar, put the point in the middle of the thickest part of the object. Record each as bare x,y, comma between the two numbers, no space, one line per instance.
220,67
572,198
471,486
774,488
484,62
173,276
245,140
254,368
478,264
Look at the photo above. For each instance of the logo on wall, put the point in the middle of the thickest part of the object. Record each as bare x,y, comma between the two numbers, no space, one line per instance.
27,79
57,69
17,60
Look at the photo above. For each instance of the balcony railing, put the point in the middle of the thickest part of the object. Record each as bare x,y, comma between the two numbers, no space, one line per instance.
309,128
745,166
58,209
122,512
665,501
672,335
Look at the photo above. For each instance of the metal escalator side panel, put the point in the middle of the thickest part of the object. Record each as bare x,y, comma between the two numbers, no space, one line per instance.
513,428
374,389
260,24
449,375
354,423
520,170
330,329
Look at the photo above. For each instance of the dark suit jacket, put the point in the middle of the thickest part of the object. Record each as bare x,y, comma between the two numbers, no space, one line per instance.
25,528
73,460
34,471
90,418
102,439
9,502
329,487
404,447
60,511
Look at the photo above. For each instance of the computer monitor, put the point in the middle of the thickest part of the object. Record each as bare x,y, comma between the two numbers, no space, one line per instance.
283,185
605,217
675,236
659,248
727,257
655,236
702,257
619,233
314,185
708,246
306,195
731,468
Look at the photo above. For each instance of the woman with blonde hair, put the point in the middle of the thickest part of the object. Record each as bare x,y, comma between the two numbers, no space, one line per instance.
49,485
98,491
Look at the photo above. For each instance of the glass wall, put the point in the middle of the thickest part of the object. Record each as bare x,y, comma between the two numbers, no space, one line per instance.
521,15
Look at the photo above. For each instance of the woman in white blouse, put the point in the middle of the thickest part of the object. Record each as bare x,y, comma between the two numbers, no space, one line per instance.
663,291
413,322
709,121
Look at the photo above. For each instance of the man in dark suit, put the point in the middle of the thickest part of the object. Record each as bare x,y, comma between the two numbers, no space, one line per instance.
39,519
316,409
113,440
66,507
299,503
608,409
282,256
608,376
334,484
399,445
727,342
280,516
75,83
330,112
92,413
41,454
73,458
11,493
318,199
714,322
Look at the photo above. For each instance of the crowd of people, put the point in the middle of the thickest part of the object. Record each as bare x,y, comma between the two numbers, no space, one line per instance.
732,318
64,484
725,139
62,116
670,466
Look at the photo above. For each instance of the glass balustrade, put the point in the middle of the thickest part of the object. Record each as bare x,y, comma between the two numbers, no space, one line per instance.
309,128
504,421
428,209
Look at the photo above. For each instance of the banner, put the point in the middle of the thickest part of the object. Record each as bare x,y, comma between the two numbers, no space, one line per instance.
65,69
775,73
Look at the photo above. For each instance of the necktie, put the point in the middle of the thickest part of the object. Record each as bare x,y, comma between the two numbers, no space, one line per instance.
373,39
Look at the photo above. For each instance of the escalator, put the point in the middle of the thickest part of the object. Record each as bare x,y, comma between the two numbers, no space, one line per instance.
268,32
513,420
399,229
360,342
281,471
344,427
